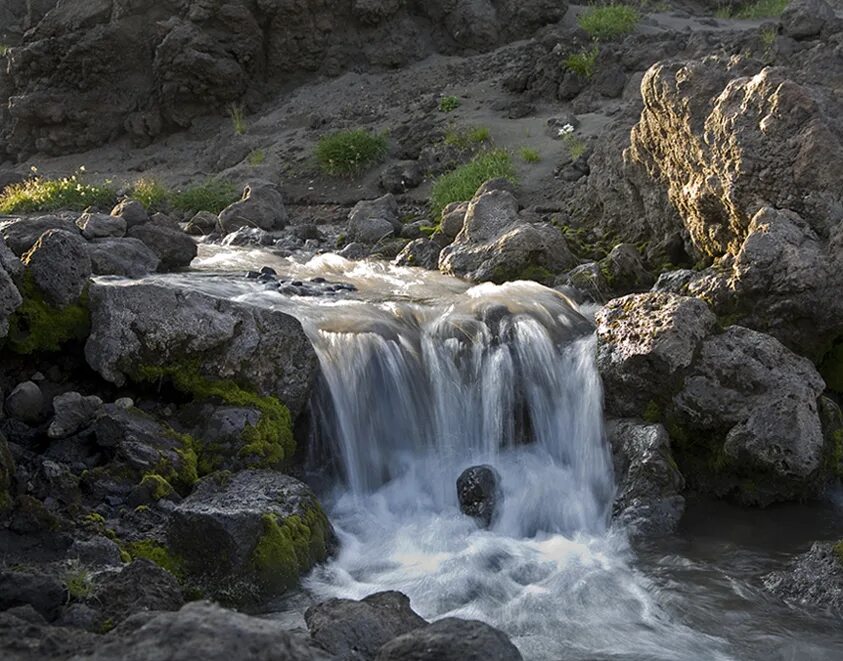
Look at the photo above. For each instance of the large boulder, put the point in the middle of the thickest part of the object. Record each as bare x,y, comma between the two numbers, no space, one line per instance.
372,220
497,244
422,253
26,403
803,19
174,248
451,639
59,266
262,207
101,226
356,630
814,580
479,493
20,234
742,410
128,257
143,330
249,535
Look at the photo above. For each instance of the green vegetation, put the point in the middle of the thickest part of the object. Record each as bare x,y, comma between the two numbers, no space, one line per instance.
653,412
533,272
609,22
448,103
4,49
287,549
762,9
467,138
78,583
256,157
238,118
157,553
150,193
838,551
212,195
583,63
461,184
38,326
70,193
158,487
350,152
529,155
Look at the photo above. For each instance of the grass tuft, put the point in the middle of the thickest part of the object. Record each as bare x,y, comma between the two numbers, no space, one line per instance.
583,63
212,195
238,118
529,155
448,103
609,22
152,194
69,193
762,9
461,184
467,138
256,157
350,152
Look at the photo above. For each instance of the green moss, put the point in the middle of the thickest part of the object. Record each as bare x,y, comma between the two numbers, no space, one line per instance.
268,444
287,549
157,553
37,326
534,272
158,486
653,412
838,551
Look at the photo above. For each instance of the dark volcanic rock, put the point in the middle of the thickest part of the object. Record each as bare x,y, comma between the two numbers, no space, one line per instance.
41,591
814,580
141,585
174,248
451,639
479,493
59,265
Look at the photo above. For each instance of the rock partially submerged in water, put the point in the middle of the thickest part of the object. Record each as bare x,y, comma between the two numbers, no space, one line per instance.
451,639
814,580
479,492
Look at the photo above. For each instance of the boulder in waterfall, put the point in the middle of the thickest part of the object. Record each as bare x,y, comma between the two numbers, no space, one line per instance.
814,580
174,248
59,266
649,501
743,412
372,220
479,493
451,639
261,207
356,630
20,234
249,535
209,347
127,257
497,244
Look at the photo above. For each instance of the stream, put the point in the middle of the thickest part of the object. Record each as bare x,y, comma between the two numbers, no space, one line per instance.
425,375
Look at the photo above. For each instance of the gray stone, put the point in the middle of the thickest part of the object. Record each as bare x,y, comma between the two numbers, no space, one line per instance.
624,270
372,220
73,412
262,206
401,177
9,262
174,248
26,403
101,226
140,585
131,211
423,253
356,630
803,19
41,591
479,493
204,222
60,266
20,234
127,257
453,218
97,551
10,300
813,581
451,639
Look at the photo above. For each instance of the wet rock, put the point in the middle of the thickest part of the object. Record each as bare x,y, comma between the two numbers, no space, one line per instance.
354,250
41,591
224,435
59,265
423,253
174,248
158,326
201,630
141,585
250,534
589,282
453,219
803,19
624,270
813,581
131,211
127,257
649,501
372,220
356,630
451,639
20,234
479,493
26,403
204,222
262,207
101,226
72,413
248,236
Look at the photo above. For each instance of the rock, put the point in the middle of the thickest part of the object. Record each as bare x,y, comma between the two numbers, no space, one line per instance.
451,639
131,211
204,222
97,551
479,493
356,630
262,207
24,640
73,412
10,300
26,403
813,581
144,325
803,19
224,437
141,585
130,258
372,220
101,226
9,262
589,282
649,500
20,234
354,250
201,630
401,177
624,271
41,591
250,534
60,266
174,248
495,244
248,236
7,475
453,219
423,253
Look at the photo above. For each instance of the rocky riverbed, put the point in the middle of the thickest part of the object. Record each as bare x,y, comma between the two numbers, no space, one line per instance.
477,396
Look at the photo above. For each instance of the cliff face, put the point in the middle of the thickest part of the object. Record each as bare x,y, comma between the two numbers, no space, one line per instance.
91,70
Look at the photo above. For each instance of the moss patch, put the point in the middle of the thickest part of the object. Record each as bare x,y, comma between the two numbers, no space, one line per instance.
158,486
838,551
157,553
530,272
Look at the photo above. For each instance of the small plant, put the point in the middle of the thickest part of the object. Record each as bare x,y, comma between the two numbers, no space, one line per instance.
467,138
212,195
349,152
583,63
762,9
4,49
608,22
69,193
238,118
575,145
150,193
529,155
768,39
461,184
448,103
77,581
257,157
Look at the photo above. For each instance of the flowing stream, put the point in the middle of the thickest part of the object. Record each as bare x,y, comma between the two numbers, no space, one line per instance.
424,376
